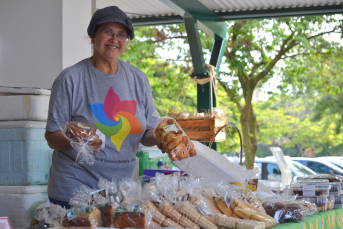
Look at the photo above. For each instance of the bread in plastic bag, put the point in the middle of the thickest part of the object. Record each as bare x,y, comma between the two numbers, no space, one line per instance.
132,216
174,140
86,216
284,211
85,139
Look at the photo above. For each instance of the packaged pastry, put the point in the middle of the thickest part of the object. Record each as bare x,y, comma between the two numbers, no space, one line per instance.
131,215
318,187
106,213
285,211
85,139
86,216
174,140
321,202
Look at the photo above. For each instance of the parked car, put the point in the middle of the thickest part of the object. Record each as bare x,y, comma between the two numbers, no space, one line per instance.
319,165
269,170
338,161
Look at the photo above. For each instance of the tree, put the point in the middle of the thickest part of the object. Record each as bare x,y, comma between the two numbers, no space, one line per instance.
286,119
253,51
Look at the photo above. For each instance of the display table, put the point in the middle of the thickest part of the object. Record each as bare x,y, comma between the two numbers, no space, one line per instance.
323,220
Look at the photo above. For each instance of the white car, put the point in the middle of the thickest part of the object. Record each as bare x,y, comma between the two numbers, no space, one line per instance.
319,165
338,161
269,170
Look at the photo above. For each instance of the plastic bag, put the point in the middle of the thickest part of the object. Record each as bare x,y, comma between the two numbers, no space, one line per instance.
110,188
51,214
284,211
132,216
85,216
85,139
131,191
174,140
84,196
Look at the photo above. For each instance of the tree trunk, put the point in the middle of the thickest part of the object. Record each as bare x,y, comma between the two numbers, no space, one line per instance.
300,150
249,132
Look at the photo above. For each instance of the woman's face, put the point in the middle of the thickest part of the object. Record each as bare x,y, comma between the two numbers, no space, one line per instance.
106,46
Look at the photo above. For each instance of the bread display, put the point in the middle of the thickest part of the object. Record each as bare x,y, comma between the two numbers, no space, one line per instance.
84,133
174,141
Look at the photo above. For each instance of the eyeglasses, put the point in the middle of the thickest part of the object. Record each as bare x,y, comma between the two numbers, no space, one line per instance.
110,34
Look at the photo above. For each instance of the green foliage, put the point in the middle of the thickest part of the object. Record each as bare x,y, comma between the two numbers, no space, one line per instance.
298,49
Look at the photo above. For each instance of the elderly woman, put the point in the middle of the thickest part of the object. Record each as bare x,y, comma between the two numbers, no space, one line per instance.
104,92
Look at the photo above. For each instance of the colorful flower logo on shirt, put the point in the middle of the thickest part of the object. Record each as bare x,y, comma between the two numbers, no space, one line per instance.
116,118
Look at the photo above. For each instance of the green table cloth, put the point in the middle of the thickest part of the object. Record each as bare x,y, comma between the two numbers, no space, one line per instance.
323,220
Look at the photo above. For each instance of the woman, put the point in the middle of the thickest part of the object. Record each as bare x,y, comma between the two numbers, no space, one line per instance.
104,92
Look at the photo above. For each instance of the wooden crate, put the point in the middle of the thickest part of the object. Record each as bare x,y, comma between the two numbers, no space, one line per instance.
203,130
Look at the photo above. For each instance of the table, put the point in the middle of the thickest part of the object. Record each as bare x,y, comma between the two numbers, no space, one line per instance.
323,220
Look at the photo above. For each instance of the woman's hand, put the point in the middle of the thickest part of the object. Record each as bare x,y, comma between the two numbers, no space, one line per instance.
57,140
149,138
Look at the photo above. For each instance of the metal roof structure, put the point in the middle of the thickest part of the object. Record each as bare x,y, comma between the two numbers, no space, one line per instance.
157,12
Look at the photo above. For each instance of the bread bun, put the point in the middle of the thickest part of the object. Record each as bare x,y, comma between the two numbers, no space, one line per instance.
81,132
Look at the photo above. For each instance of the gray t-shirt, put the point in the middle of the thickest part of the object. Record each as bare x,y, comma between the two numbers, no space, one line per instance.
120,106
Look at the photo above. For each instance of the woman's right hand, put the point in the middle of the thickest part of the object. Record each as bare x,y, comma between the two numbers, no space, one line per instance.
57,140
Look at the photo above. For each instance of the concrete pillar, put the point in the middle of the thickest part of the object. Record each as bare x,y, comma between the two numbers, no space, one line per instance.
39,38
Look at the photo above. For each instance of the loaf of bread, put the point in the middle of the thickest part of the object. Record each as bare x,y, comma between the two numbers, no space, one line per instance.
84,133
106,214
174,141
92,218
129,219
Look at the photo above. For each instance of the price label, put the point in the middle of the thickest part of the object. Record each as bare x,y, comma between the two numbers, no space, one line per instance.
5,223
170,128
309,190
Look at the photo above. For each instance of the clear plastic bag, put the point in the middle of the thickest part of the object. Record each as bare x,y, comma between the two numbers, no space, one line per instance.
284,211
51,214
174,140
132,216
85,139
83,216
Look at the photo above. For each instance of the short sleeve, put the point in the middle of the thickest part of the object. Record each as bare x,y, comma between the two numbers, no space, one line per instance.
151,114
60,104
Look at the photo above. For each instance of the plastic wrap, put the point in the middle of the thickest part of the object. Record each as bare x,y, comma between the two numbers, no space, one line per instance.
246,211
131,191
106,212
51,214
193,214
110,188
174,140
86,216
85,139
312,207
204,205
230,222
318,187
284,211
132,216
84,196
320,201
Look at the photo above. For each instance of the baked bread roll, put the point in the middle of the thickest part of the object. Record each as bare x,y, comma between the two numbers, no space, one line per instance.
81,132
174,141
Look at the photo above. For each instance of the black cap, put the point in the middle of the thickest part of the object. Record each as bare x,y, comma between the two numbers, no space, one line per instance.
110,14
